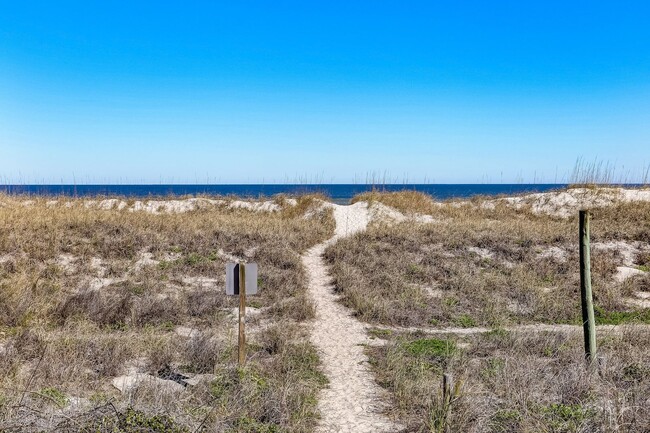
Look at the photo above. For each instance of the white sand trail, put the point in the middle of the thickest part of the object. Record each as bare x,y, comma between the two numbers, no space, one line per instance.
353,401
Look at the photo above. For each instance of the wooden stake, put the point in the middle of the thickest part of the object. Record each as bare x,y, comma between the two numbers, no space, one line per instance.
242,314
588,319
446,389
447,385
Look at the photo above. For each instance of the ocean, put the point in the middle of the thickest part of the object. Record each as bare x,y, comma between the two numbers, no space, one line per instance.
339,193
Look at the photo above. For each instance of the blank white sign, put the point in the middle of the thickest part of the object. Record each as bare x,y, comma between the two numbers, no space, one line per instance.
232,278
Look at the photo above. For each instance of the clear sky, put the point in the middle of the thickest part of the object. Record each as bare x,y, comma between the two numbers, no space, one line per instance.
331,91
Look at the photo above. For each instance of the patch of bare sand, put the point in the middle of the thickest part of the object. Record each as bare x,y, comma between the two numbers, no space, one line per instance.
535,327
382,212
257,206
627,250
566,203
640,300
173,206
553,252
178,205
625,272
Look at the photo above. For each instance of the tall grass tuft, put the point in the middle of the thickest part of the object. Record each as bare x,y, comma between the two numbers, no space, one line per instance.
598,173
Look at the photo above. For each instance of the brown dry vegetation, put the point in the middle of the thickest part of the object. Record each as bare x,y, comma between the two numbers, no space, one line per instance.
481,266
517,382
495,267
87,293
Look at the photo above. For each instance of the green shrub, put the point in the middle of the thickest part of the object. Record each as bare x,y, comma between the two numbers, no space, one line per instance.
430,347
55,396
465,321
620,317
505,420
566,417
134,421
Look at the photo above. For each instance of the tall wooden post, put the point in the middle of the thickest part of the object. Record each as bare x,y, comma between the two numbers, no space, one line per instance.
242,314
588,319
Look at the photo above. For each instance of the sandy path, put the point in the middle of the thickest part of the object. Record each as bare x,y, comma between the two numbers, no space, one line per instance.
352,402
534,327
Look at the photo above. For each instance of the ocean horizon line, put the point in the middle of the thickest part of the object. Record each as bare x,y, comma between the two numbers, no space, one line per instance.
337,192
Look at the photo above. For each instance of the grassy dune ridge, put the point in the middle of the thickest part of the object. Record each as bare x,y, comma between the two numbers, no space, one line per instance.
485,262
485,265
91,294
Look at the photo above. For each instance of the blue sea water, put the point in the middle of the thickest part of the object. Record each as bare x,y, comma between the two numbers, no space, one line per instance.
339,193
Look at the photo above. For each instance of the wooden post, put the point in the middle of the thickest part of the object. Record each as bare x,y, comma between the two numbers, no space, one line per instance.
447,385
588,319
242,314
446,389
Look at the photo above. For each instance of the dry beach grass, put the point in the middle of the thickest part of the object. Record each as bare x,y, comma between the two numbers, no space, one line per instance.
113,316
501,263
512,381
97,294
488,265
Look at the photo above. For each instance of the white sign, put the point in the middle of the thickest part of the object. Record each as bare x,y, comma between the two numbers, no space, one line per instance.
232,278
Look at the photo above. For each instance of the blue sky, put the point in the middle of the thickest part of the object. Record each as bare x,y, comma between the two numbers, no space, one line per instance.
247,91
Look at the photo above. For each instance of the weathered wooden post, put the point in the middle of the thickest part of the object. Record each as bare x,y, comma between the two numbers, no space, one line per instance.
447,385
242,314
446,389
588,319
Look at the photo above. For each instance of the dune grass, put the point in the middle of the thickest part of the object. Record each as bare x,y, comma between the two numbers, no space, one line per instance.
597,173
89,294
516,382
488,263
481,265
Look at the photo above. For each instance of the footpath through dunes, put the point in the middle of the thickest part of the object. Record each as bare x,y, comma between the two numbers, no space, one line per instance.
353,401
486,292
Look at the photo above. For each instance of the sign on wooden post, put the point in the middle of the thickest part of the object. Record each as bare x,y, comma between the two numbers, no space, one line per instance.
232,278
241,279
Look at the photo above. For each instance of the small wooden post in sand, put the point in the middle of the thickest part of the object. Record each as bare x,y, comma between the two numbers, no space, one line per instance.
588,319
446,389
242,314
447,385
